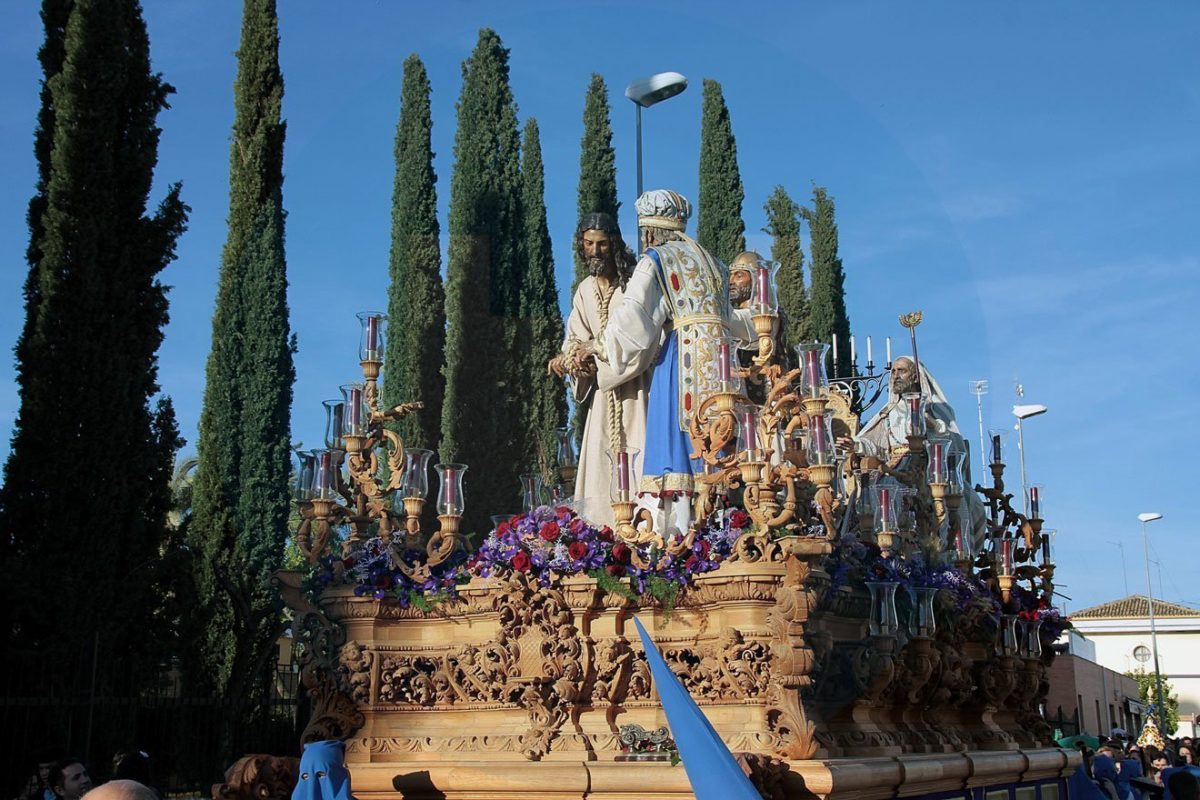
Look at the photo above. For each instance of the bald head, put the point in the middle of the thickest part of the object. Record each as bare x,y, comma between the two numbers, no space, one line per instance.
121,790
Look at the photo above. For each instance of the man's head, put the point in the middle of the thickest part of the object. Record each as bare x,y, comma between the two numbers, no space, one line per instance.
1183,786
741,277
904,376
120,789
662,216
1160,761
599,245
69,779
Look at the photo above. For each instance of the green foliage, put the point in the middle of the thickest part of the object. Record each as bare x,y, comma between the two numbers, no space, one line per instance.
597,163
719,227
1148,689
241,498
827,297
544,404
783,225
416,333
86,437
483,286
611,585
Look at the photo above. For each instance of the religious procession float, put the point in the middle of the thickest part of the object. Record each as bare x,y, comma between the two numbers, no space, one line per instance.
854,613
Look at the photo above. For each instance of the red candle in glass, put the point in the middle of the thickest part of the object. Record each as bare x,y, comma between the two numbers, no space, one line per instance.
886,520
372,334
450,478
354,411
749,431
1006,557
764,288
937,461
1035,502
996,448
623,471
723,362
914,414
818,434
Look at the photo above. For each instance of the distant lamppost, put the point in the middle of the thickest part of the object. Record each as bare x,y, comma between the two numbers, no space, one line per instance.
1159,700
1022,413
647,92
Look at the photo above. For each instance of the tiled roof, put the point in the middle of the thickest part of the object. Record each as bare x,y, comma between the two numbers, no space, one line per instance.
1135,606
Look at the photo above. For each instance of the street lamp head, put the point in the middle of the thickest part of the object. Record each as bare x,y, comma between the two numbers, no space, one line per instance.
1027,411
662,86
1149,516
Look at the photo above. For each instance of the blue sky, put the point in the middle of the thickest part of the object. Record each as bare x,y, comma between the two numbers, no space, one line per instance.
1027,174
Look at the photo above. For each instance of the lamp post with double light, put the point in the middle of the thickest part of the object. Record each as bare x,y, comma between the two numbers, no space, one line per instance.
647,92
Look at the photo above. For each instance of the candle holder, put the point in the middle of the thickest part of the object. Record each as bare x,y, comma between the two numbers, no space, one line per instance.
414,488
1006,643
887,499
531,491
371,343
813,379
450,507
964,543
915,427
568,461
820,452
1031,643
1005,576
884,621
356,416
921,622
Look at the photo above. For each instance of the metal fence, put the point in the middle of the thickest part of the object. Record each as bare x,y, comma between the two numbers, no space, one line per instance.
96,715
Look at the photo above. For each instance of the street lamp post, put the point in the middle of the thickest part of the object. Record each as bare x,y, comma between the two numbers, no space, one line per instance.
645,93
1022,413
1159,700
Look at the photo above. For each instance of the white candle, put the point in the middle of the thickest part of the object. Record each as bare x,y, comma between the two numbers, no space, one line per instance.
889,350
852,359
870,360
835,348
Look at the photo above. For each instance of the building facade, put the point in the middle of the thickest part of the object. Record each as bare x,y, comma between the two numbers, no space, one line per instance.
1120,632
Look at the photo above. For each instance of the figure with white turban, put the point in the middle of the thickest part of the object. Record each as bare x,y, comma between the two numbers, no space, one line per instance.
675,309
885,435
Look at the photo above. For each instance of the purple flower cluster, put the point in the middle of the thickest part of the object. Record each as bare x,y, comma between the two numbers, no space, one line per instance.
713,544
374,574
543,543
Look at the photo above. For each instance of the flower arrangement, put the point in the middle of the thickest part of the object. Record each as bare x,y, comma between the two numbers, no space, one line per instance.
542,544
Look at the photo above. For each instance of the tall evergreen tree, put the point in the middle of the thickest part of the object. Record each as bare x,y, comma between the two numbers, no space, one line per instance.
783,225
483,286
241,498
416,333
827,299
545,402
86,438
719,228
597,162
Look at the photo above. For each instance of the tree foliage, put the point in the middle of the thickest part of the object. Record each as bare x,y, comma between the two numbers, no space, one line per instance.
545,403
597,162
241,496
783,226
88,441
719,227
483,286
827,297
416,333
1148,690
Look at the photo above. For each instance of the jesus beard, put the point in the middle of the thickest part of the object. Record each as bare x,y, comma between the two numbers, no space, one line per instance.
598,267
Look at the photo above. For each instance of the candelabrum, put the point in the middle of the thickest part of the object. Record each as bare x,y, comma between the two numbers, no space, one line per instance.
365,477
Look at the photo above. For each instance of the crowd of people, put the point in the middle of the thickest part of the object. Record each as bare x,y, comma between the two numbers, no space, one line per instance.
1122,769
69,779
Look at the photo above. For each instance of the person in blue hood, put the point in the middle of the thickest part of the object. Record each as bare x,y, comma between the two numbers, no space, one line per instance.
323,774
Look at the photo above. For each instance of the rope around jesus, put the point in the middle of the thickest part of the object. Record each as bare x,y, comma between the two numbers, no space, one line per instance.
616,427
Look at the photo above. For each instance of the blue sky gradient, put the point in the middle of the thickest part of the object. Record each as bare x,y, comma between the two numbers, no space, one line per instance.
1026,174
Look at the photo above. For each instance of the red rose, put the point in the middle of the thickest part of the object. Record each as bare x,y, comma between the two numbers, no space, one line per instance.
606,534
691,562
739,519
521,562
615,570
577,550
702,548
503,528
562,510
549,531
620,552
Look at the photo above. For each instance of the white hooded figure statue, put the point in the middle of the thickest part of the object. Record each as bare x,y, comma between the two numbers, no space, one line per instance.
885,434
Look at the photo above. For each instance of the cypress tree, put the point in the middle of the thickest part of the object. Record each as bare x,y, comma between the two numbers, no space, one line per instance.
546,403
719,228
827,303
597,162
416,333
783,225
86,438
483,286
241,498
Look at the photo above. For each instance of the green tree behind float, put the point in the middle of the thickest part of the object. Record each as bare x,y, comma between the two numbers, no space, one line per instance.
597,190
83,508
827,297
783,226
416,333
545,403
1148,691
241,498
483,287
719,227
